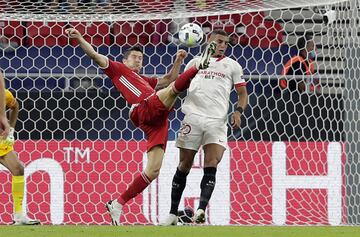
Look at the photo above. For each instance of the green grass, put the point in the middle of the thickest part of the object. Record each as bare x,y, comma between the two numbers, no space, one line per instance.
178,231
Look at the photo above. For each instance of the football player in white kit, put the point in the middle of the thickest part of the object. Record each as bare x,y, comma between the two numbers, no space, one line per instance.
205,123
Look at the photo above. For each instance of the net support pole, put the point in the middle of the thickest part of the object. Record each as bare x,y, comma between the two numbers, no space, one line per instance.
352,118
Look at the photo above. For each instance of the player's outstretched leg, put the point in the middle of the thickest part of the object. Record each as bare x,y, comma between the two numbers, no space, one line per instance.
206,55
115,210
21,219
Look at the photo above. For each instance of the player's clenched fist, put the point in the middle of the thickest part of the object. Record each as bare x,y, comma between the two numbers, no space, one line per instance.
181,54
73,33
9,140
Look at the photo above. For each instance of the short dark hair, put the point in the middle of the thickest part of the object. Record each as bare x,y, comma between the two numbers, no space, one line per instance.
129,50
303,40
219,32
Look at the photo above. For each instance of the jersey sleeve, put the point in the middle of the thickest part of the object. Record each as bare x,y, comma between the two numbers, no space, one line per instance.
9,99
190,63
153,81
113,69
238,79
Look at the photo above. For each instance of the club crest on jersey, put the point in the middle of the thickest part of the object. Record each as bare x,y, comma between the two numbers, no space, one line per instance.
185,129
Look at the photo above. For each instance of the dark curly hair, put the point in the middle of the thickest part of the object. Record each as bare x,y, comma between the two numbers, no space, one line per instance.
133,48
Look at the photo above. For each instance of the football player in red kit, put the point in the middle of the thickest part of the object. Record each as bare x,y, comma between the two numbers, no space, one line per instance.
152,99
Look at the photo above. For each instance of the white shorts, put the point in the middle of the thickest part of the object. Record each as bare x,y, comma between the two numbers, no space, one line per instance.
197,130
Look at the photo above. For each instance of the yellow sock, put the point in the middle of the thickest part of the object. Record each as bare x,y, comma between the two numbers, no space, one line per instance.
18,192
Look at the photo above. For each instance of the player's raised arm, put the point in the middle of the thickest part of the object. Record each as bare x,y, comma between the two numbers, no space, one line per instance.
4,125
100,59
174,72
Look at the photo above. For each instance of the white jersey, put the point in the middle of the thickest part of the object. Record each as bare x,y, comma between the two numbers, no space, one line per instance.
209,91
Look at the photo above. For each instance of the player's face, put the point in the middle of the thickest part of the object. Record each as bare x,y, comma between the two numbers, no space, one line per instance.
310,46
222,44
134,61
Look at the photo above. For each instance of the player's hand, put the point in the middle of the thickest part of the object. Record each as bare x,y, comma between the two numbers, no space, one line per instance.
235,120
10,139
4,127
181,54
73,33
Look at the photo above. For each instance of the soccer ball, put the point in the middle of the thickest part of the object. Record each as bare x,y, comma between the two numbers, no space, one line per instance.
191,35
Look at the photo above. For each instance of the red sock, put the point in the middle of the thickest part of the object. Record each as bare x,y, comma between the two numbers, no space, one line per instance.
183,81
136,187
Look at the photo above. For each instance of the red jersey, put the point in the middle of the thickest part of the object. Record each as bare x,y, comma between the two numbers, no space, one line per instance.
131,85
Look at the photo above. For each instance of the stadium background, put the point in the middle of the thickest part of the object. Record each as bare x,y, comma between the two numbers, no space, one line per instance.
45,63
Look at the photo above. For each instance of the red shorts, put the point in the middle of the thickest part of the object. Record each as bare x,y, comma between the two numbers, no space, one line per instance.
152,117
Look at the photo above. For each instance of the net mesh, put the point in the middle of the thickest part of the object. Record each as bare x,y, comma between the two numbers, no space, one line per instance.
107,10
294,161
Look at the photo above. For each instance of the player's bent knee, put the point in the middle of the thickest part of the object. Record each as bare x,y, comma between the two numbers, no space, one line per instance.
155,158
185,166
211,162
152,173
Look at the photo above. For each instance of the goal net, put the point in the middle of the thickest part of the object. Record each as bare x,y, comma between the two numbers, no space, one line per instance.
295,160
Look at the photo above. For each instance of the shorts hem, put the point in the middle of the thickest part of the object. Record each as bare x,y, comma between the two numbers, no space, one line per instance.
217,143
149,147
187,147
